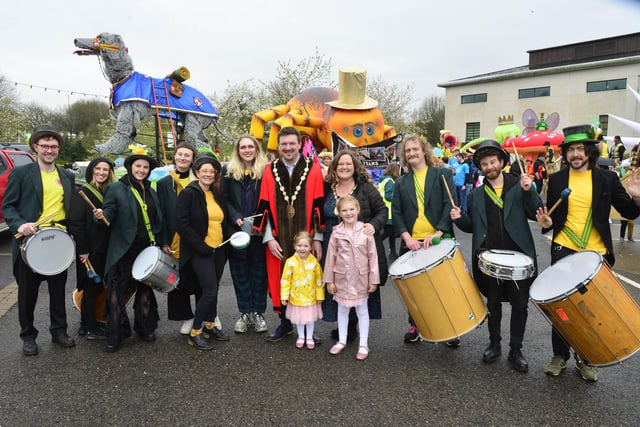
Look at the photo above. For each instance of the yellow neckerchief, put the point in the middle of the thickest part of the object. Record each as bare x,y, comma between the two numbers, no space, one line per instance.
495,194
422,227
578,220
52,197
94,191
145,215
181,184
214,218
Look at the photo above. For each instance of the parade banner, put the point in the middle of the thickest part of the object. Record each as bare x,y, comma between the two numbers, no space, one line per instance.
374,157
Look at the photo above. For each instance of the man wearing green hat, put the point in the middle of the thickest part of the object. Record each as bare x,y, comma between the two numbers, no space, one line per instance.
34,192
582,221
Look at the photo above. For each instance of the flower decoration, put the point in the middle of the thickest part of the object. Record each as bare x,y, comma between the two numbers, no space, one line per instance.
138,149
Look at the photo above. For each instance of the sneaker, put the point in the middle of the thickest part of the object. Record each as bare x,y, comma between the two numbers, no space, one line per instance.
259,324
556,366
412,334
588,373
242,323
185,329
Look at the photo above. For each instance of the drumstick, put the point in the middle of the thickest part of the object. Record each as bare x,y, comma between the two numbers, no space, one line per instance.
89,266
37,223
515,150
448,192
86,199
563,195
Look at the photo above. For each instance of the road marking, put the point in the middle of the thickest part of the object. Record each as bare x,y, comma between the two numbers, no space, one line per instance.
8,297
628,281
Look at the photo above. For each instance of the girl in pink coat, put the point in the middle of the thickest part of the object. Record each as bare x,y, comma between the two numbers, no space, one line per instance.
351,273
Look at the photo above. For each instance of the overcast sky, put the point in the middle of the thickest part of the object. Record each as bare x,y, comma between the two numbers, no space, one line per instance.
420,42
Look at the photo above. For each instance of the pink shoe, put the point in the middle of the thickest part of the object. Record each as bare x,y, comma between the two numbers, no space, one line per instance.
363,352
311,344
337,348
300,343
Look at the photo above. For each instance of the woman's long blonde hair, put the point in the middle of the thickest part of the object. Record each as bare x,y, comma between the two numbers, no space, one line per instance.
235,168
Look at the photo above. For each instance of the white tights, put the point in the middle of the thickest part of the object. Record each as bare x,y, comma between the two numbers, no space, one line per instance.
310,327
362,311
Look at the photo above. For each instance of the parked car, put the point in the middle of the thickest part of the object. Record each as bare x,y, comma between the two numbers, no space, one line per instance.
9,158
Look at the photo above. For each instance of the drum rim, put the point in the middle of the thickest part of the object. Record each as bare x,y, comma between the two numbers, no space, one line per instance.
482,258
437,262
156,251
570,291
24,247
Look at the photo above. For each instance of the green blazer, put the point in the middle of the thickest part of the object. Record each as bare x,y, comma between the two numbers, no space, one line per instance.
121,209
437,206
22,200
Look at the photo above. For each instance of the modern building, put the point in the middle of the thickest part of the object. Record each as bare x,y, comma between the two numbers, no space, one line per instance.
579,81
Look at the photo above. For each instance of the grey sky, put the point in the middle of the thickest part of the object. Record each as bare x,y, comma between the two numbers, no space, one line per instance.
406,42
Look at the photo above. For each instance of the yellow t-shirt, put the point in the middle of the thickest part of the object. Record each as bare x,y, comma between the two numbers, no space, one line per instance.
580,202
215,214
53,197
498,190
422,227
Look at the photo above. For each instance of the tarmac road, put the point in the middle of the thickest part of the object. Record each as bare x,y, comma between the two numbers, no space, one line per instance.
247,381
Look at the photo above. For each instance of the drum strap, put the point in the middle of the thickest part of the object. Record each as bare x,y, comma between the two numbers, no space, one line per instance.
95,192
494,196
145,215
419,190
581,241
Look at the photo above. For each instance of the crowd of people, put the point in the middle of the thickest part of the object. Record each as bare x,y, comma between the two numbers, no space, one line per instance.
316,235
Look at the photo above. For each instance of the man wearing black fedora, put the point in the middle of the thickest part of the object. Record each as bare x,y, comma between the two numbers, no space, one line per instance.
35,192
582,221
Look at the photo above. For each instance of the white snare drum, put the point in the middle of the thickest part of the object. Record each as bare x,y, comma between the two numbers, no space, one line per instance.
156,269
506,265
49,252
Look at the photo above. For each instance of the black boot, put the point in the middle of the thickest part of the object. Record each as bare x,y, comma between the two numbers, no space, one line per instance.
199,342
518,361
492,353
285,328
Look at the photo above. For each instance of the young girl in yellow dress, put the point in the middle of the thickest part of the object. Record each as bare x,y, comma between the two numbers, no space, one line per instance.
302,289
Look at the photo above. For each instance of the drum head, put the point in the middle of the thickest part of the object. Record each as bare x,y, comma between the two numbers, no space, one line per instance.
49,252
506,258
414,262
240,239
565,276
144,263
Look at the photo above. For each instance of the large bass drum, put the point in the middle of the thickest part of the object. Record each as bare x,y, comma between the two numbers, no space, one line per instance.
590,308
439,291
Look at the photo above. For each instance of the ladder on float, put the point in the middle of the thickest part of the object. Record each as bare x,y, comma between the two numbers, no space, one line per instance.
162,93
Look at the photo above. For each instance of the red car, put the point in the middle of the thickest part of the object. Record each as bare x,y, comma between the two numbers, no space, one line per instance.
10,157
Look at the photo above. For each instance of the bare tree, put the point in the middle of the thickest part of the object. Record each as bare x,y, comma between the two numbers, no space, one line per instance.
8,89
290,79
393,100
428,119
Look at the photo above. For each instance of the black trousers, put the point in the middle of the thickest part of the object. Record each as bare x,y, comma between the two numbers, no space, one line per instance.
560,346
28,286
517,293
179,300
145,307
206,272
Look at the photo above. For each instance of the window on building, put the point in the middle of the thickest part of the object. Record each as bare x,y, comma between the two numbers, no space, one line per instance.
616,84
604,123
471,99
534,92
473,131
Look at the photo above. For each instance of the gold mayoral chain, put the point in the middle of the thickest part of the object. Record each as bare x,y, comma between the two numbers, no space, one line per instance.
291,210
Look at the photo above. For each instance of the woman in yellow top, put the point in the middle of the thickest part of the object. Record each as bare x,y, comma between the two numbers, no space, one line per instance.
199,221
